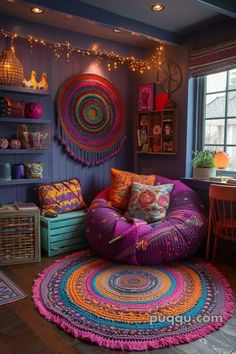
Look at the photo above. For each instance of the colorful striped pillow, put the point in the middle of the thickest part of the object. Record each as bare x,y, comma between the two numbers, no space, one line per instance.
61,197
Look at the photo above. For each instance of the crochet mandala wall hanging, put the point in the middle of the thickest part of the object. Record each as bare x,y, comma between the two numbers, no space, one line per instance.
91,119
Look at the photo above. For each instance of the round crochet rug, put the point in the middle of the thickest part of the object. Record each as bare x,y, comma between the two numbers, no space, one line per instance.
133,307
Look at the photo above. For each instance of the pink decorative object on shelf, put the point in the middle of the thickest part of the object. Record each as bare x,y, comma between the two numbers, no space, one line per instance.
146,97
33,110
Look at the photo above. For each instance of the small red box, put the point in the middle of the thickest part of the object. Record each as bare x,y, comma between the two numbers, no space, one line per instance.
161,100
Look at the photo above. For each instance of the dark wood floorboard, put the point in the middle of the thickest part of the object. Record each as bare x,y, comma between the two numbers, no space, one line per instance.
24,331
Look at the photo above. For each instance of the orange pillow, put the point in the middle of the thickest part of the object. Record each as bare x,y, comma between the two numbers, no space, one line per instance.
121,182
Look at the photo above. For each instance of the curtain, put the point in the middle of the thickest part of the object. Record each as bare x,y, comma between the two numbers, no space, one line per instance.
213,59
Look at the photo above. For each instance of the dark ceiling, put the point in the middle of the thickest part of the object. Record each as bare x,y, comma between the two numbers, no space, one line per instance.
140,26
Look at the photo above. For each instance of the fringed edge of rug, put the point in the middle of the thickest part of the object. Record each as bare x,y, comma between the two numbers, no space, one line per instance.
131,344
90,158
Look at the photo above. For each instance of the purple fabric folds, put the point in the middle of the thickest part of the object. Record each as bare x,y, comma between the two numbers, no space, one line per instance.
137,242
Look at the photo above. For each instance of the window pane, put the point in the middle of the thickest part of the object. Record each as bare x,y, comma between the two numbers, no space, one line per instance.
231,109
214,131
214,148
215,105
231,131
232,79
216,82
232,154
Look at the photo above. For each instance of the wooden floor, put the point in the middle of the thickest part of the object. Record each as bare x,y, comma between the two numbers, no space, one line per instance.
24,331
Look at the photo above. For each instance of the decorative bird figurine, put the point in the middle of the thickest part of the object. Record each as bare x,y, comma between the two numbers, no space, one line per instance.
32,82
43,85
27,84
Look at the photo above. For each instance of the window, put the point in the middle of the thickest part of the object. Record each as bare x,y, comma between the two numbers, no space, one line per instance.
219,126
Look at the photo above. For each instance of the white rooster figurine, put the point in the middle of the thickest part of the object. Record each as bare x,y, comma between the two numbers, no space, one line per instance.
32,82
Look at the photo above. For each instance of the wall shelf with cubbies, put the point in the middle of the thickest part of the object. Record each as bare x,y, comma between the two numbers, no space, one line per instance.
157,132
39,144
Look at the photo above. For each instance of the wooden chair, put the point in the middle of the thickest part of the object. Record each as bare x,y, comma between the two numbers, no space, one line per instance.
222,215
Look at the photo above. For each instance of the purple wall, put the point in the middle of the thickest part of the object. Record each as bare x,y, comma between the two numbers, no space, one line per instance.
58,165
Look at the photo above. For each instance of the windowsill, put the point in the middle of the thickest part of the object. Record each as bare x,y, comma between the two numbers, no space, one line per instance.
201,183
230,173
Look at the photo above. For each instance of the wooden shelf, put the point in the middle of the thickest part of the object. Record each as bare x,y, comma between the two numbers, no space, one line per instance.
156,153
22,151
24,120
25,181
157,132
158,110
24,90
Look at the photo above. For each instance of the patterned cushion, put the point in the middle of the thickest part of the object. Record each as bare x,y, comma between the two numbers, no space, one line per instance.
61,197
121,182
149,203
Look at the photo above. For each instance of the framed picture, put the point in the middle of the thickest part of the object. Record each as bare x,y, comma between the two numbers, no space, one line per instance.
146,97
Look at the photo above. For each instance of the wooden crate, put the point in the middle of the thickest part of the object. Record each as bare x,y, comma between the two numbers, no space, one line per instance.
19,235
63,233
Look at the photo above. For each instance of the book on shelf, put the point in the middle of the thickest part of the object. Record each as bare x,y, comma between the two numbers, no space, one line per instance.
23,206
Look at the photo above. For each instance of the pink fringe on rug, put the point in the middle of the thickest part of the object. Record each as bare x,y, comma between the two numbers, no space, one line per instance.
131,344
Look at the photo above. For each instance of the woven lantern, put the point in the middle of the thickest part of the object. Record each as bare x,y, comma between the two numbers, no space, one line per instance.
11,70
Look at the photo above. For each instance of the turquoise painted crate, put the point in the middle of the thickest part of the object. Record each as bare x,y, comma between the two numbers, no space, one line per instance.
63,233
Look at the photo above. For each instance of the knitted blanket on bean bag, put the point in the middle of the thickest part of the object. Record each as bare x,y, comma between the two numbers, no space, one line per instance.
177,236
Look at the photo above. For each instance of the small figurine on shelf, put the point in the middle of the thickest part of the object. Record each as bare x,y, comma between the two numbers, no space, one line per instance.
27,84
32,82
157,138
23,136
167,129
43,85
144,139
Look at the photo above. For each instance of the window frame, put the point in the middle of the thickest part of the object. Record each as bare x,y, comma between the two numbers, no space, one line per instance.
200,110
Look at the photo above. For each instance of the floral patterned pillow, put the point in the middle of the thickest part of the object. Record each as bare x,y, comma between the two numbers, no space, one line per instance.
121,182
149,203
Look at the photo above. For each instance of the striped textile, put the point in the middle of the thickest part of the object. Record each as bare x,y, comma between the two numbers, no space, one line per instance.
213,59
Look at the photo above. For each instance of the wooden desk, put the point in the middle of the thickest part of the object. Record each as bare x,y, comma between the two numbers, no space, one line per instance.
201,187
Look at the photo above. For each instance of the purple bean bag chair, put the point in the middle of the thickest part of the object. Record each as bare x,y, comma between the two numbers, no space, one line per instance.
177,236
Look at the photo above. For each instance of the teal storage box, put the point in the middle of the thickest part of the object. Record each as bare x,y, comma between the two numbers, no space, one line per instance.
63,233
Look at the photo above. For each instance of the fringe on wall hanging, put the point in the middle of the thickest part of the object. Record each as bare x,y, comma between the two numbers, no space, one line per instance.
91,119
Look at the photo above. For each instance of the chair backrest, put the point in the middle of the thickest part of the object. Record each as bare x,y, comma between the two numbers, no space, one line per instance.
223,210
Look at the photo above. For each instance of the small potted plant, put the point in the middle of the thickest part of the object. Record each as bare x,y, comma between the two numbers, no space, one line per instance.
203,164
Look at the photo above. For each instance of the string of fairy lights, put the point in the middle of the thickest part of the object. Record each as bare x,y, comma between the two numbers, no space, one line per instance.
114,60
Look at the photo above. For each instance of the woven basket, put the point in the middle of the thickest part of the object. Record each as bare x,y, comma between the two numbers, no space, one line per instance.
11,70
19,236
